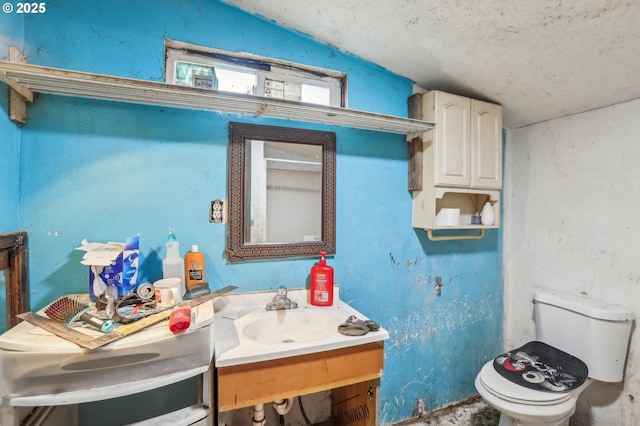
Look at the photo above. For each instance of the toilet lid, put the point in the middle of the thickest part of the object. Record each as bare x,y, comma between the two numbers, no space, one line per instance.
510,391
541,367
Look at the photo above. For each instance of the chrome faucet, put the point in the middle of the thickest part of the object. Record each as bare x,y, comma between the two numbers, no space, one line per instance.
281,301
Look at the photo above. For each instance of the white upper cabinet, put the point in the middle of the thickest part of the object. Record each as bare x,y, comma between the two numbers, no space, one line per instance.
466,141
486,145
457,164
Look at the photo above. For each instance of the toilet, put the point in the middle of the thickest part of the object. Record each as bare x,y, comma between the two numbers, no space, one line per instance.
579,339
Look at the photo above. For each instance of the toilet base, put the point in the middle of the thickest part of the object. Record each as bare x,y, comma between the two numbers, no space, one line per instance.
506,420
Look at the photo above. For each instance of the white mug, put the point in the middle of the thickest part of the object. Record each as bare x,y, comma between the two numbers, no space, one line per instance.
168,292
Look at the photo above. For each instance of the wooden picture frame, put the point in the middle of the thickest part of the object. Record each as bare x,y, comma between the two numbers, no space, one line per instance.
14,262
238,249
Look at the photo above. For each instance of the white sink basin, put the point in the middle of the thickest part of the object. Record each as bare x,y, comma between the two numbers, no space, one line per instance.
245,332
287,326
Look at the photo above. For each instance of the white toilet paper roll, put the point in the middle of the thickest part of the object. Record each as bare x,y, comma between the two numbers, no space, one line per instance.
448,217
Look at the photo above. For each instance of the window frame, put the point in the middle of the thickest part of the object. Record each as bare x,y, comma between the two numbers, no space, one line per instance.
264,68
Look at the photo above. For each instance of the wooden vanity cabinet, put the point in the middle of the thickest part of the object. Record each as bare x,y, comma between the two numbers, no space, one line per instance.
352,374
458,163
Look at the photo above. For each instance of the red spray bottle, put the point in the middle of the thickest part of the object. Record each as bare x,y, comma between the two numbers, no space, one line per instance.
321,283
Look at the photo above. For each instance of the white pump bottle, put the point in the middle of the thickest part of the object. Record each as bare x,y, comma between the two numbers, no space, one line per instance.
173,264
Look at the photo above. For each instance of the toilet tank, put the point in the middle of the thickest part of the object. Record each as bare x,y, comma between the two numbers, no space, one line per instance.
592,330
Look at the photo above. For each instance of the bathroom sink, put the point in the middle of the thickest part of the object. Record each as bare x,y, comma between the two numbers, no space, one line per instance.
287,326
245,332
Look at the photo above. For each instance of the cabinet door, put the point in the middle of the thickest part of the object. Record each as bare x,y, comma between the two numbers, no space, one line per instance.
486,145
452,141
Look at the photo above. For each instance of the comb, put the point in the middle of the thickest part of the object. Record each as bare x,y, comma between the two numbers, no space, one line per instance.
66,310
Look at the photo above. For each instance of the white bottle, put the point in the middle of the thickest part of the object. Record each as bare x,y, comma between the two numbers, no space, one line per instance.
173,264
487,217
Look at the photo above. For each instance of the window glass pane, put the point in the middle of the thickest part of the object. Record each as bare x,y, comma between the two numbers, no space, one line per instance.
203,75
297,92
232,72
316,94
236,81
282,89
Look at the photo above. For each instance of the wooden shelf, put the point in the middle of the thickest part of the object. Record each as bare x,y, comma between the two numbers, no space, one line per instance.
28,79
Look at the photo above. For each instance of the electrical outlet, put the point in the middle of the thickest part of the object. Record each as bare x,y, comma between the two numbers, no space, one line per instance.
218,211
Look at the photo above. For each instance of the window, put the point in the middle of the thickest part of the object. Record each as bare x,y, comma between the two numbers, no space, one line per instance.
198,66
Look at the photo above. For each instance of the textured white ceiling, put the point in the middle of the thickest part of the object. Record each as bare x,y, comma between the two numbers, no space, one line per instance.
540,59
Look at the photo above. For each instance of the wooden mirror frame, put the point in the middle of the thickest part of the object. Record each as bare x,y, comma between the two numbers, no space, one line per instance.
237,250
14,257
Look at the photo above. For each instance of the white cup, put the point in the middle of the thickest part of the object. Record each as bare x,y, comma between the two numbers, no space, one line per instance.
168,292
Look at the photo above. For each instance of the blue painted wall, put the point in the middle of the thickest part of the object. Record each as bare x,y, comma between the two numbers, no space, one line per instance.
11,34
103,171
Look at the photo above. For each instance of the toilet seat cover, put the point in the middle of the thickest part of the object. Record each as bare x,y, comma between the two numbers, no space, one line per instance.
505,389
541,367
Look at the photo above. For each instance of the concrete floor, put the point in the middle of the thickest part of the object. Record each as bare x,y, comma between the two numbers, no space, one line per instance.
472,412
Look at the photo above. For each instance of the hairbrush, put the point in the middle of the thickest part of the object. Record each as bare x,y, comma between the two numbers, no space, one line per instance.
66,310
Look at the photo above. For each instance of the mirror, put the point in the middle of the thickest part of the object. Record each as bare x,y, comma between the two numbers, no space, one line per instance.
281,192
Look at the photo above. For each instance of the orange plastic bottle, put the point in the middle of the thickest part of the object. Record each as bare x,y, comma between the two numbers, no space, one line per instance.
321,283
194,265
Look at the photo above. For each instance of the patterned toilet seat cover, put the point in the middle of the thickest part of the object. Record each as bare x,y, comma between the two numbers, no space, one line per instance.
542,367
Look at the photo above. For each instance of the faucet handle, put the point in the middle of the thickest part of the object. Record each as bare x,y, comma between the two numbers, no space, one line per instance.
281,301
282,292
